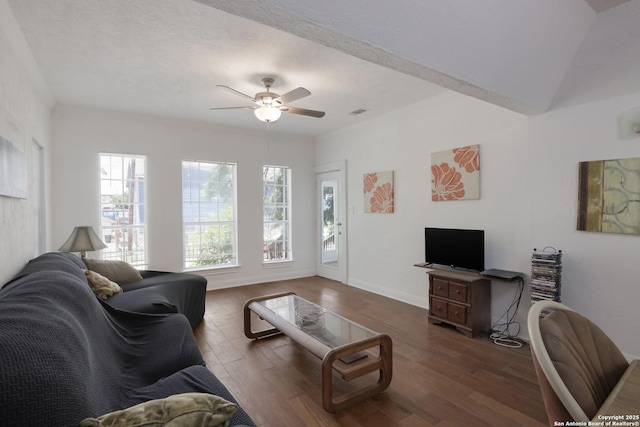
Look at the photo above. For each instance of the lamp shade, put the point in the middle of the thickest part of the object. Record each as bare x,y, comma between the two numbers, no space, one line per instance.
267,113
82,239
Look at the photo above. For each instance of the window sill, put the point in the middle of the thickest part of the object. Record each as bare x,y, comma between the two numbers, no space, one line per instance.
277,264
214,270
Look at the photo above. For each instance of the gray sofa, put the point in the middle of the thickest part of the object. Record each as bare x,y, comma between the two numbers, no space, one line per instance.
67,355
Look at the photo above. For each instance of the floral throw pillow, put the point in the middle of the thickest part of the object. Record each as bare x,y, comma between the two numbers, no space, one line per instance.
179,410
101,286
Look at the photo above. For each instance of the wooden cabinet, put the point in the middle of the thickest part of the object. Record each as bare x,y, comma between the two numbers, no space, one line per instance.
461,300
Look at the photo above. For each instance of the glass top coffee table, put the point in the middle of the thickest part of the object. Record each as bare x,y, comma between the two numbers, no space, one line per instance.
342,345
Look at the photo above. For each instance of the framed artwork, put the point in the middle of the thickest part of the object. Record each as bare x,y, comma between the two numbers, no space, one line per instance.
609,196
378,192
13,171
455,174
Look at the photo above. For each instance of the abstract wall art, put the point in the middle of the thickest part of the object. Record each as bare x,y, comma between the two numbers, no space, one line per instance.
455,174
609,196
13,171
378,192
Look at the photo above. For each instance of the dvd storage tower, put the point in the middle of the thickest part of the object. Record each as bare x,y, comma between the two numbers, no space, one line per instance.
546,271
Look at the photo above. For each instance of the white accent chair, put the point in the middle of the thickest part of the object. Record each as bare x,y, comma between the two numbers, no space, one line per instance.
576,363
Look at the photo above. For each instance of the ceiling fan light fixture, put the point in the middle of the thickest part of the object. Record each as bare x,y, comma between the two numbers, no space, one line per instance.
268,106
268,114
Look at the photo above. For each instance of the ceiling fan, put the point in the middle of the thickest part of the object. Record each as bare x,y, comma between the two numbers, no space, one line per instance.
269,105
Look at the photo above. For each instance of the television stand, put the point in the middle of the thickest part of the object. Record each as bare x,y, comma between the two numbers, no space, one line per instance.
462,300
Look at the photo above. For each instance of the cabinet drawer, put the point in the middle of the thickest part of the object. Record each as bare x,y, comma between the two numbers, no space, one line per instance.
458,291
440,287
439,308
457,313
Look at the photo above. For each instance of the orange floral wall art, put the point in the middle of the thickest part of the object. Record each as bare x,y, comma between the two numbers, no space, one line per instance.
455,174
378,192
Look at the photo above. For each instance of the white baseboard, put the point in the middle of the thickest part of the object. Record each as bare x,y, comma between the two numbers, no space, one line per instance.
231,278
419,302
391,293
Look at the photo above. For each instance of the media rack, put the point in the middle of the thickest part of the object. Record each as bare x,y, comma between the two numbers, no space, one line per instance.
546,274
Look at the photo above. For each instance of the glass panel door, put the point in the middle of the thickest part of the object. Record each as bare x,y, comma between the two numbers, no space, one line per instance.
330,211
330,237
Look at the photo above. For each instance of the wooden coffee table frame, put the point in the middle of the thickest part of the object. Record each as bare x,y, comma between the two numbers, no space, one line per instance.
330,356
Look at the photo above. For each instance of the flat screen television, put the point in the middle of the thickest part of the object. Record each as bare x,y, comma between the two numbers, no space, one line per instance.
456,248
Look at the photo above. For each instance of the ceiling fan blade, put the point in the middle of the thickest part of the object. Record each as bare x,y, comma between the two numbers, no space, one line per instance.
293,95
238,92
233,108
303,111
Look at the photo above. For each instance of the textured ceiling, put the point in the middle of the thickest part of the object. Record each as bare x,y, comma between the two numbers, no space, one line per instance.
514,54
165,58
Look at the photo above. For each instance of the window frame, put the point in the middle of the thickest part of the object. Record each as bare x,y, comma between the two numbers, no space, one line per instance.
135,229
189,263
286,207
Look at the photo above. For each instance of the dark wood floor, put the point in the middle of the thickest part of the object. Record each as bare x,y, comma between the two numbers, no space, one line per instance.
440,377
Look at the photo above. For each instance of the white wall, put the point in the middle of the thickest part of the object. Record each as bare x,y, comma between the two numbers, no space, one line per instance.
600,270
81,134
528,200
24,117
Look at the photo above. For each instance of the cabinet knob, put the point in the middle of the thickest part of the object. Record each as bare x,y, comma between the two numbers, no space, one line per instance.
455,314
457,291
439,288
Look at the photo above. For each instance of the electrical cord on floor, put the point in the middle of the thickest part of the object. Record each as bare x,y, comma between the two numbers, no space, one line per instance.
505,337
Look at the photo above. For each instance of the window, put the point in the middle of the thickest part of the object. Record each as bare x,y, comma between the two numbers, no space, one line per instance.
277,213
209,214
122,208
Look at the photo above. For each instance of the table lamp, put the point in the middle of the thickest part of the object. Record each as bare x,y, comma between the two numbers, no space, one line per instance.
82,239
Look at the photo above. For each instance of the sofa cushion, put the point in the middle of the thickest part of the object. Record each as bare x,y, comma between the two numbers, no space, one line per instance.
117,271
101,286
187,409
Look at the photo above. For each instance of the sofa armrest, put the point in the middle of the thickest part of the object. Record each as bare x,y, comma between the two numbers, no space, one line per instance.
185,291
152,273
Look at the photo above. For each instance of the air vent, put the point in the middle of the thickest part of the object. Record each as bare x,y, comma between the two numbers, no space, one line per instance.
357,112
